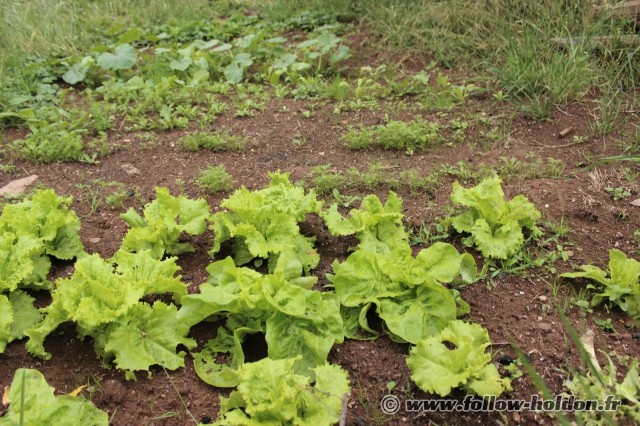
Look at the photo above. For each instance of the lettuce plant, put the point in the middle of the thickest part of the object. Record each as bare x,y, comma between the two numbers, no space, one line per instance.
271,393
164,220
264,224
32,402
294,319
105,303
407,292
495,224
438,369
30,232
621,286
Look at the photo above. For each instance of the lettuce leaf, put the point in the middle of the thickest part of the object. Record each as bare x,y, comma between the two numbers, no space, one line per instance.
270,393
495,224
295,319
105,302
378,227
30,232
17,314
45,217
264,224
164,220
146,336
438,369
33,403
407,292
620,286
17,255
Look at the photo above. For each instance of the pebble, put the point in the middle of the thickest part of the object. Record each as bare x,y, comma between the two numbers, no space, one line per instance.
18,186
95,240
544,326
130,169
542,298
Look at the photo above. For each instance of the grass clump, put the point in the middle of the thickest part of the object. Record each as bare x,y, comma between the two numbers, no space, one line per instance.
396,135
325,179
220,140
47,145
215,179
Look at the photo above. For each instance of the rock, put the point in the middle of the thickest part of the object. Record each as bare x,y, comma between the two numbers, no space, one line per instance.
130,169
542,298
18,186
94,240
545,327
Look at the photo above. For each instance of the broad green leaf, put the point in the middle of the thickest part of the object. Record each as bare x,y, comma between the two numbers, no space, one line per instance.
123,58
146,336
130,36
418,314
33,403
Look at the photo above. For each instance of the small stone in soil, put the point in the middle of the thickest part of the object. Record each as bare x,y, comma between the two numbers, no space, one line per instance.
544,326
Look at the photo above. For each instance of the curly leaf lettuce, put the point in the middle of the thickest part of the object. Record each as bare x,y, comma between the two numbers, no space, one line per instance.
295,319
17,314
378,227
164,220
621,286
104,302
495,224
30,232
408,292
438,369
270,393
32,402
264,224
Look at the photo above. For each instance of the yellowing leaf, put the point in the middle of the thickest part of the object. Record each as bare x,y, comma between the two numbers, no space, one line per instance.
5,396
77,391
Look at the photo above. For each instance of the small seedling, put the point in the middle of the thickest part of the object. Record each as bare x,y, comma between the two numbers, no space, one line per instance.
605,325
215,179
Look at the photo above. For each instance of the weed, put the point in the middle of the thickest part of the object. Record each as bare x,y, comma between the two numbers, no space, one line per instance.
325,178
215,179
220,140
618,193
396,135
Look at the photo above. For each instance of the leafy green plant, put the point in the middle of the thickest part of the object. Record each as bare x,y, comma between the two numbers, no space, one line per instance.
396,135
438,369
48,145
220,140
163,222
294,319
407,292
618,193
123,58
215,179
496,225
601,384
105,303
620,285
264,224
270,392
32,402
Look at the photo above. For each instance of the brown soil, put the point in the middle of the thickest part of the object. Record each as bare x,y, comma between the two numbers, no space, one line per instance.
508,306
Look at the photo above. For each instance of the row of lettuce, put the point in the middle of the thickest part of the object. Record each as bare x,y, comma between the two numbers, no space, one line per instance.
139,314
